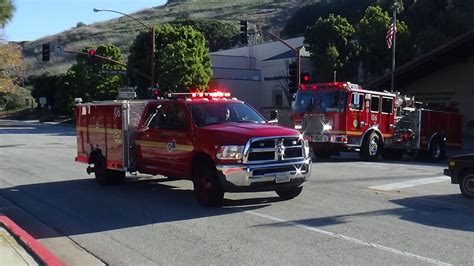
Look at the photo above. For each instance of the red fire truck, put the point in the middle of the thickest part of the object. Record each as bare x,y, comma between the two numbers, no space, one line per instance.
341,116
220,143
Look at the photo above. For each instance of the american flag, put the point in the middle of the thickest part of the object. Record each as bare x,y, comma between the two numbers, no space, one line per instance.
390,33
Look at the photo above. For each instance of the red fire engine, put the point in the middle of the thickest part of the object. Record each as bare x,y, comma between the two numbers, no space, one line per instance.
341,116
221,144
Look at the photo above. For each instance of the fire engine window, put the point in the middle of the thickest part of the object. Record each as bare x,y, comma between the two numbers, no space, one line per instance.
387,105
374,104
173,119
357,101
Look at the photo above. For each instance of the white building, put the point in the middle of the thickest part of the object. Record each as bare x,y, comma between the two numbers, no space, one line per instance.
258,74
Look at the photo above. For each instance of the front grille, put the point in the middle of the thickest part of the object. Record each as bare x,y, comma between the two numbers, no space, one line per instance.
291,169
313,124
275,149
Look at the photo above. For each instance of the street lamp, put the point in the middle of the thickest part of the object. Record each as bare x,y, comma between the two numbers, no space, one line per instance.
152,29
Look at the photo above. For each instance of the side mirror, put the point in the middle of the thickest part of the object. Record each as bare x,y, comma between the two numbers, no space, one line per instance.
274,115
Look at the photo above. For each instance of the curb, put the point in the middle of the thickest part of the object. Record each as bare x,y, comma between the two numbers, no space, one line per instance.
34,248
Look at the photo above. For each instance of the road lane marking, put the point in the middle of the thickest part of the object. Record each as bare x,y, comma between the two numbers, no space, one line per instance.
350,239
411,183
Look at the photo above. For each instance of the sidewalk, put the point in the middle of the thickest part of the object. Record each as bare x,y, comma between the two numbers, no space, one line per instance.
19,247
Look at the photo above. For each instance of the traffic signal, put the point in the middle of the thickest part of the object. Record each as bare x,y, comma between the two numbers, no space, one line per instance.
305,78
292,78
91,52
244,27
45,52
155,91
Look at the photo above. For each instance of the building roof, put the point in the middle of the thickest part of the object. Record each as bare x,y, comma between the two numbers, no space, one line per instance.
455,51
289,54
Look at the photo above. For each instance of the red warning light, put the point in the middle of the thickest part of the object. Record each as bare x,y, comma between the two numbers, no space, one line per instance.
91,52
305,77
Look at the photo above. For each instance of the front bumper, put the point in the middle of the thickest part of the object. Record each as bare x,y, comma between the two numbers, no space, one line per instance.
261,177
449,173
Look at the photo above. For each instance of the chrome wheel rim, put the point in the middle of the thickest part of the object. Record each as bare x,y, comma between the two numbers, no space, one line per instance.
373,147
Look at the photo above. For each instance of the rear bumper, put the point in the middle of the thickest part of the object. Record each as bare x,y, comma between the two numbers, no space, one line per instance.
261,177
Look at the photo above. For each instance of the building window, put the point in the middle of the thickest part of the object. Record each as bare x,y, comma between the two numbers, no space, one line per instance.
278,100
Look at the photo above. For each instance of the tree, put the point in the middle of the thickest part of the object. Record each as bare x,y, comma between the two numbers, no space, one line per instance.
46,85
328,41
84,79
182,59
6,11
371,32
219,35
10,66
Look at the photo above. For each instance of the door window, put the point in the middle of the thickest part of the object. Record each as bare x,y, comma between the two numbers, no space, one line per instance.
173,119
387,106
374,104
357,101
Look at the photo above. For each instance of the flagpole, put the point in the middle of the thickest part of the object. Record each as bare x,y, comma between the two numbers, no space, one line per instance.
394,45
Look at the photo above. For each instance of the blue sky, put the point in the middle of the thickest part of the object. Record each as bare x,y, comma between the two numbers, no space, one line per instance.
34,19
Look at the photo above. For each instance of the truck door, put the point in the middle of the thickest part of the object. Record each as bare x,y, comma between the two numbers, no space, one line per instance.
387,116
357,119
176,134
148,142
374,111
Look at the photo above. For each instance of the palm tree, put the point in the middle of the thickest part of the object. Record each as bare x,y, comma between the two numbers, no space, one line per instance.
6,11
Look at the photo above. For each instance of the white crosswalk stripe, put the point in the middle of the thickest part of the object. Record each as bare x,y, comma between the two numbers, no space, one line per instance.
410,183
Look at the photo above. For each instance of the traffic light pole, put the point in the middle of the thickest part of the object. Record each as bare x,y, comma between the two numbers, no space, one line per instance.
297,55
152,70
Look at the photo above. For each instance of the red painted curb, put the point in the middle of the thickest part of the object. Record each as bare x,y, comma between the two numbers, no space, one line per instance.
30,243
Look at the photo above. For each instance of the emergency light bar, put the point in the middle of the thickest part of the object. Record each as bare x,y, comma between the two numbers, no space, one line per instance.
217,94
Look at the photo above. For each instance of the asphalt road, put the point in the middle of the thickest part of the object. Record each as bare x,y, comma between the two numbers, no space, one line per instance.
350,212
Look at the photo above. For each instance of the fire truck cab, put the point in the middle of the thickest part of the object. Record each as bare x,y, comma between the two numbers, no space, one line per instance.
341,116
220,143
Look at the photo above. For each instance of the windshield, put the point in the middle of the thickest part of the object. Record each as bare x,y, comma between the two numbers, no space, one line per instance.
321,101
223,112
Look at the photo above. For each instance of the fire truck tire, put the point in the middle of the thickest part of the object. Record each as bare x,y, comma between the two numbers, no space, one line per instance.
104,176
437,150
371,146
392,154
466,184
207,188
288,194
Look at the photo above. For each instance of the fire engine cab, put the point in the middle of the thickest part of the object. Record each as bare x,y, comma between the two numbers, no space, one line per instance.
220,143
341,116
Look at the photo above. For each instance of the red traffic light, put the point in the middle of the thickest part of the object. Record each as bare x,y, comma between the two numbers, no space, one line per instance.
305,78
91,52
155,92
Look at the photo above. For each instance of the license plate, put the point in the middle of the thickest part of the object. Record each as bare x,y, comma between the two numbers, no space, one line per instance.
282,178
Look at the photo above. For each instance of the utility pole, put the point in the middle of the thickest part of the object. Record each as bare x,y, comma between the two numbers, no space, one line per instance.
297,55
395,8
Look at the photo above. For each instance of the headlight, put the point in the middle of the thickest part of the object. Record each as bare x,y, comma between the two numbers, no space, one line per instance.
327,127
298,126
306,148
230,152
452,163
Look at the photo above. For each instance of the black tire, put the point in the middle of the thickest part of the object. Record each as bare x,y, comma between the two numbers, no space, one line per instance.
104,176
207,189
321,154
371,147
392,154
288,194
437,150
466,184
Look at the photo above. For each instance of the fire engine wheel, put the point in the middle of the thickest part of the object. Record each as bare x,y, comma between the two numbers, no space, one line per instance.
466,184
104,176
207,188
370,149
437,150
287,194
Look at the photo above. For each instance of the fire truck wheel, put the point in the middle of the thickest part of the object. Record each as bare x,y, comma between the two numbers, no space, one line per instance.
207,188
289,193
104,176
370,149
466,184
437,150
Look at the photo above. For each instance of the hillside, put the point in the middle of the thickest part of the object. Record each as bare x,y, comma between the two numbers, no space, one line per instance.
273,15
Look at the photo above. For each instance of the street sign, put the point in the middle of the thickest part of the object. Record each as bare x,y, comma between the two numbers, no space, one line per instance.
59,50
42,101
113,72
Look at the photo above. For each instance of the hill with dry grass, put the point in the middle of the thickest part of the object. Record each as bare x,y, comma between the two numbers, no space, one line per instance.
272,15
